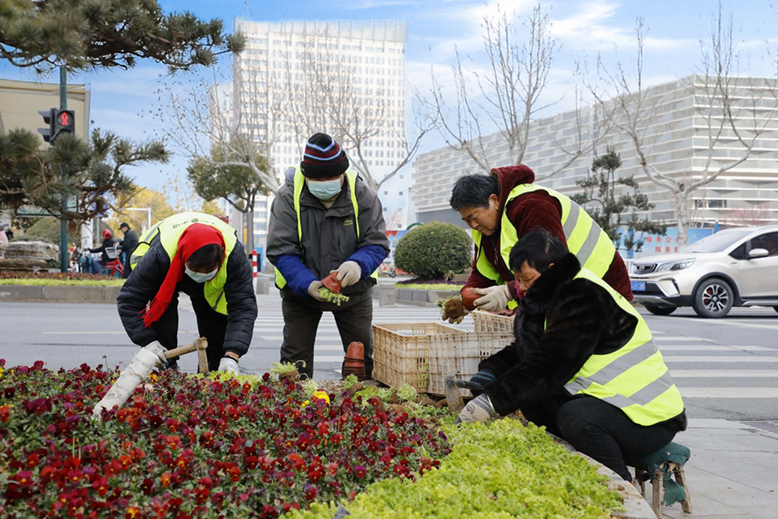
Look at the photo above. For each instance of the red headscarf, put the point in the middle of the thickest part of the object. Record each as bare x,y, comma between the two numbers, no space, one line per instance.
195,236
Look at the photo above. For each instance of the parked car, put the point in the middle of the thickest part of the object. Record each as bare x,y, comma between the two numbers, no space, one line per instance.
734,267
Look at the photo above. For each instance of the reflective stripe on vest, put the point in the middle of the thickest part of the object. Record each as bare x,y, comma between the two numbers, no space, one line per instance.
633,378
585,239
170,230
299,182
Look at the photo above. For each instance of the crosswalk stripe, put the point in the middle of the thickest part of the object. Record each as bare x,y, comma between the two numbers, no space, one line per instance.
710,347
729,392
728,322
682,339
722,359
723,373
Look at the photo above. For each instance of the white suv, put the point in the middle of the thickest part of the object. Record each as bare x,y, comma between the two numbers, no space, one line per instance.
734,267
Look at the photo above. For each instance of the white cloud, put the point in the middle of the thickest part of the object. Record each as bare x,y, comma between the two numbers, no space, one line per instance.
593,27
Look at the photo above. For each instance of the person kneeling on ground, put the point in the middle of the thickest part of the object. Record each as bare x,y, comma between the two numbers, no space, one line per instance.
583,363
199,255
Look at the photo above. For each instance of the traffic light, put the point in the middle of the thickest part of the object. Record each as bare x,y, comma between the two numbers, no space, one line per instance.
59,121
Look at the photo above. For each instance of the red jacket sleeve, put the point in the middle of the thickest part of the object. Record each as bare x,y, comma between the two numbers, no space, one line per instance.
537,209
476,279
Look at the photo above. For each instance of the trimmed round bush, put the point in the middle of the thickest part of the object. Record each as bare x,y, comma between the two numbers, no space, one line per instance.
434,250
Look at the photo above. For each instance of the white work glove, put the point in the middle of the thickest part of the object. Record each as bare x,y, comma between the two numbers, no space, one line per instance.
479,409
313,290
349,273
229,365
494,298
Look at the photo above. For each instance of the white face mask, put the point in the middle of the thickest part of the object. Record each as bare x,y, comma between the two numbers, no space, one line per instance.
201,277
325,189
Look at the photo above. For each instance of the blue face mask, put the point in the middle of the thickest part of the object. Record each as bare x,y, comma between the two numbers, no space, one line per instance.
324,189
201,277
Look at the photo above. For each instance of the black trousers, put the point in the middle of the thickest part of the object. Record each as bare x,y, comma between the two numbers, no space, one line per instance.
210,324
301,321
602,431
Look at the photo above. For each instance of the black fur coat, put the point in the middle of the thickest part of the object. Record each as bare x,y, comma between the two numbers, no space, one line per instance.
563,321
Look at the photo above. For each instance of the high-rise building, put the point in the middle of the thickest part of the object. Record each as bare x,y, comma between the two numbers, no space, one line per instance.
676,142
271,99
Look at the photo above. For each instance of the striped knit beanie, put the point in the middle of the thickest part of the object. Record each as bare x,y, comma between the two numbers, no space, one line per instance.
323,157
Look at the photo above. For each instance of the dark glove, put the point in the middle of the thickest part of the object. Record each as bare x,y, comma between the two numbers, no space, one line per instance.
483,378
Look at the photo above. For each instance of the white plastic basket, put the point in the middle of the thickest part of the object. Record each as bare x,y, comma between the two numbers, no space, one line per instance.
462,358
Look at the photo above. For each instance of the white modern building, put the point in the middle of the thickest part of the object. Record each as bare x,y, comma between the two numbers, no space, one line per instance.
676,142
277,60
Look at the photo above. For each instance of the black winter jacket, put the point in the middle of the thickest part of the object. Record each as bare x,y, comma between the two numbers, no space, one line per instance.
147,277
130,242
563,321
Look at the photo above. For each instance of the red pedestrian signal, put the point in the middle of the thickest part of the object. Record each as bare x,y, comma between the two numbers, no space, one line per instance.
59,121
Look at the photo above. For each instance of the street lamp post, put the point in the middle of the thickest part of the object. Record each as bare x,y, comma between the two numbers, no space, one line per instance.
147,209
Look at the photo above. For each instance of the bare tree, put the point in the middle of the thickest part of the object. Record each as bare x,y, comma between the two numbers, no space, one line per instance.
505,95
734,112
201,119
325,93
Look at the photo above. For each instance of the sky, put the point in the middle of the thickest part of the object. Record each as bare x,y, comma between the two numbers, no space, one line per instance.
122,101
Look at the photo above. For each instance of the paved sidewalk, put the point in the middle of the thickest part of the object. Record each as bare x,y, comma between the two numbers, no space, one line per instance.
733,471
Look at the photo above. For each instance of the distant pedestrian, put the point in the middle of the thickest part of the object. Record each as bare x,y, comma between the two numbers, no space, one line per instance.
129,244
3,240
99,262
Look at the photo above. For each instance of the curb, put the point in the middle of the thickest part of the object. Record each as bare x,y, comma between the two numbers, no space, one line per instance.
410,296
59,294
635,505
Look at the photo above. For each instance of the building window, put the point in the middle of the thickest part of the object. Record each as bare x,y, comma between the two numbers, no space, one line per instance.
401,193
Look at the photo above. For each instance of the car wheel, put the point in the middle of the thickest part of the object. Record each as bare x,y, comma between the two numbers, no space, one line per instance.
660,310
713,299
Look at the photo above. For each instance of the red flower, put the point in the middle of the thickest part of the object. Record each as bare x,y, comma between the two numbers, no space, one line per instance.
32,461
360,471
251,462
101,486
133,512
23,478
234,474
165,479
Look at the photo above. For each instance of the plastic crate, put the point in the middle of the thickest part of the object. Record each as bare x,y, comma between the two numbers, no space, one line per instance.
462,358
401,352
489,322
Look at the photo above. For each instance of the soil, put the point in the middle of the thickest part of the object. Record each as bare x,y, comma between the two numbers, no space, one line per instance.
454,308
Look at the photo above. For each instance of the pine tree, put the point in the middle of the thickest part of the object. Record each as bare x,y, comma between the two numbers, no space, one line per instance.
94,34
90,174
606,201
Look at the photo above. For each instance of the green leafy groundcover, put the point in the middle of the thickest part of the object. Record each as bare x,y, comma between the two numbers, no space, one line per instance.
57,279
496,470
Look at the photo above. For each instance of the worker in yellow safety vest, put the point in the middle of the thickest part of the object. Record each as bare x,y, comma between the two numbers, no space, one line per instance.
583,364
325,220
199,255
504,206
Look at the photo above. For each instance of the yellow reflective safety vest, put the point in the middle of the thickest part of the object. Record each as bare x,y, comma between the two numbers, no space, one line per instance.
299,182
170,230
585,239
633,378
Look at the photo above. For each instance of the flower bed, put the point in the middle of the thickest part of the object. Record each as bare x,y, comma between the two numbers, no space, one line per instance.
188,446
57,279
496,470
